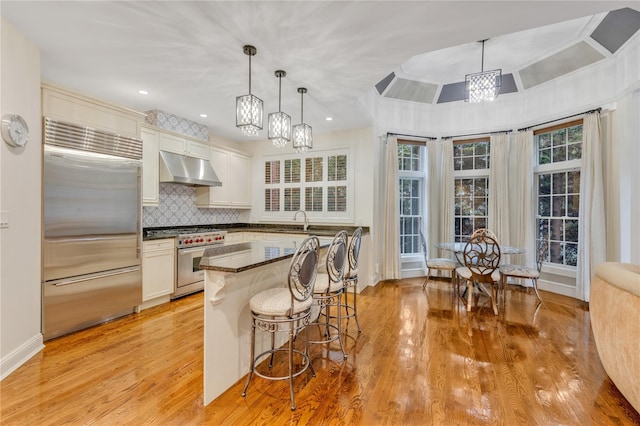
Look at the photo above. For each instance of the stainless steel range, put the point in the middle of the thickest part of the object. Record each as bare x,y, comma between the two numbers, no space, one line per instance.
190,245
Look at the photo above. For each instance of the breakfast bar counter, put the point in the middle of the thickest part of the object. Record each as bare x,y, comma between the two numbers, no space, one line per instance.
233,274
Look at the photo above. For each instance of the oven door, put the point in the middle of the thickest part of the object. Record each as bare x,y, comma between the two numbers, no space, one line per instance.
189,271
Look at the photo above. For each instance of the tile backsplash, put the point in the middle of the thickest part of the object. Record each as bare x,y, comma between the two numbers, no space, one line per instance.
178,208
177,124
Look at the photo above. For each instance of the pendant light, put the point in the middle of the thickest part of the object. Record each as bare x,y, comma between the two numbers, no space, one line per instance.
302,136
279,122
482,86
249,107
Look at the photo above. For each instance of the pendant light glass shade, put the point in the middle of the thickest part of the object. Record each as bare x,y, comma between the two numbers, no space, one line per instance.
279,122
249,110
482,86
302,134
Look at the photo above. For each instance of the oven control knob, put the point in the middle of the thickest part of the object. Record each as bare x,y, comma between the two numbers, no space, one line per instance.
209,240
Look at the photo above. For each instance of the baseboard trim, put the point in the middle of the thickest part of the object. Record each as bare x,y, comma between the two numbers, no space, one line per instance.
563,289
20,355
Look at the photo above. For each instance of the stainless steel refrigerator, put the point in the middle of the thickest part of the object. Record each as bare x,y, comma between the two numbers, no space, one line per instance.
92,207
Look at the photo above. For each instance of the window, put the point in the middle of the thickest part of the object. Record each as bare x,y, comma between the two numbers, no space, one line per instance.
319,183
411,181
559,150
292,176
337,178
271,195
471,177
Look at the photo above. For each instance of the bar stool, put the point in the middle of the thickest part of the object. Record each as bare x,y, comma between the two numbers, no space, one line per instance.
328,292
351,277
286,309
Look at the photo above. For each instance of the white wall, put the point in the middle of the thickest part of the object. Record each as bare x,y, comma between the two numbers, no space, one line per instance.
20,196
590,87
361,145
627,133
613,83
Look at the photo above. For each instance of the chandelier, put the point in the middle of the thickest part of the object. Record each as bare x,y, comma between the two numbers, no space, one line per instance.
482,86
249,107
302,136
279,122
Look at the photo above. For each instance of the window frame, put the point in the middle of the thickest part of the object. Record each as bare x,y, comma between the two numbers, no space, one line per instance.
320,216
420,176
471,174
549,169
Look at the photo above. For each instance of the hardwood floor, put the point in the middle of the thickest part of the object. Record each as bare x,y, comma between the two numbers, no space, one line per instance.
420,359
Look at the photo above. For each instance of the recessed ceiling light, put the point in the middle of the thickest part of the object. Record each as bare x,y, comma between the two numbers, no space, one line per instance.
203,115
143,92
329,118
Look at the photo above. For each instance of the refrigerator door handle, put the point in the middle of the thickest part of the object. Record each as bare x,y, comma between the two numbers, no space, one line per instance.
66,281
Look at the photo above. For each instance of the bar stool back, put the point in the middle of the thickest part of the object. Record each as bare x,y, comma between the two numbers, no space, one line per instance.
328,292
351,277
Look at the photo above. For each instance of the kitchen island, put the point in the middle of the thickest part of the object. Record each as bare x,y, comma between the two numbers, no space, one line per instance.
233,274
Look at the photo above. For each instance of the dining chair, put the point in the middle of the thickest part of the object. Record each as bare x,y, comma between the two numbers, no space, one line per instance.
524,272
437,263
484,231
286,309
328,291
482,259
351,277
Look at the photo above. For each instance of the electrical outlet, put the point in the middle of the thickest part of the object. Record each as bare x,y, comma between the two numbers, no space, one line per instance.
4,219
377,269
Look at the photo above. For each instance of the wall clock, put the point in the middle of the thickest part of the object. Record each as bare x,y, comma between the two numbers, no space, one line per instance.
15,131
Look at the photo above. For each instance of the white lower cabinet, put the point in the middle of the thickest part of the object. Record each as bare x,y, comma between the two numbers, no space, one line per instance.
158,270
234,171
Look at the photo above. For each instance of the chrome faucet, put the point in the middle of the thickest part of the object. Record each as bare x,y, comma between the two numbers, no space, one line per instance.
306,222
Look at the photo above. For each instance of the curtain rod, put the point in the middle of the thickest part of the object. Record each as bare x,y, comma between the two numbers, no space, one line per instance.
558,119
477,134
431,138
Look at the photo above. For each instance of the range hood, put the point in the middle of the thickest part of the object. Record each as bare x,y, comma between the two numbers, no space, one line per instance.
189,171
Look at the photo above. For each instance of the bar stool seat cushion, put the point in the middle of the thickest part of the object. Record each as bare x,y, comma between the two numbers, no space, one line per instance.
351,274
277,302
519,271
441,263
322,284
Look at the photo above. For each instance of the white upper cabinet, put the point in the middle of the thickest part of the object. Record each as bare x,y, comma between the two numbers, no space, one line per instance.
173,143
150,174
65,105
240,180
234,171
196,149
181,145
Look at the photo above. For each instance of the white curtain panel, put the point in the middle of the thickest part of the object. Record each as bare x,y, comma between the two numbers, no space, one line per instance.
499,187
611,183
591,233
447,200
391,225
433,216
521,198
440,196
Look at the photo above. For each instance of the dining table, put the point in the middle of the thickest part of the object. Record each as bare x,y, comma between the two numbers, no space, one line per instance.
458,248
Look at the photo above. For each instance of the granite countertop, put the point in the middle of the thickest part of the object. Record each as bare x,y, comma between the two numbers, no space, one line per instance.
319,230
244,256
